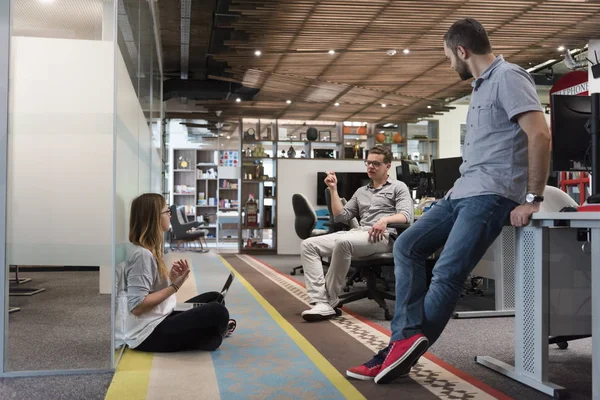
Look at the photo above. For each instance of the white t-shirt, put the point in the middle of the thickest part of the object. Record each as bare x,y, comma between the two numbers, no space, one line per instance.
137,277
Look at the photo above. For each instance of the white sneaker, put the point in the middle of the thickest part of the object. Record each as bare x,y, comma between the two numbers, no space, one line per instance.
320,312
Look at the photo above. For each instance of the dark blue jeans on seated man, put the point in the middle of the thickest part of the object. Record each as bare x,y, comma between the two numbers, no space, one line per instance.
466,228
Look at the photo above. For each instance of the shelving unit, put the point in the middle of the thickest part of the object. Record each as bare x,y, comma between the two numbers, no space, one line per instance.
209,186
259,179
419,142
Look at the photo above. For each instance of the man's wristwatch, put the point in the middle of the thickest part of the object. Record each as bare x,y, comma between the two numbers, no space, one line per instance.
532,198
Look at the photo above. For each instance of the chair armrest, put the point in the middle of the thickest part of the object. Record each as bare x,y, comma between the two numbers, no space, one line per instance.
192,224
398,226
336,226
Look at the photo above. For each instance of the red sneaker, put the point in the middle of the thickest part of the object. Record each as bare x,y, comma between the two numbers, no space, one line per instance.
371,368
401,357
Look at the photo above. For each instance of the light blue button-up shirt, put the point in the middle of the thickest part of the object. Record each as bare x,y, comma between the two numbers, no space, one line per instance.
495,148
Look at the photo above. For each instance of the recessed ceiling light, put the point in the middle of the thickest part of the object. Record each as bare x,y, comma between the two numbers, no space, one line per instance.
428,106
331,51
337,104
391,52
257,53
384,105
288,101
220,134
228,137
406,51
238,100
560,48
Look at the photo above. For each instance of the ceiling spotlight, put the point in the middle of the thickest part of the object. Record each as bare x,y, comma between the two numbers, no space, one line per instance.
288,101
406,51
257,53
331,51
391,52
428,106
337,104
560,48
220,134
228,137
384,105
238,100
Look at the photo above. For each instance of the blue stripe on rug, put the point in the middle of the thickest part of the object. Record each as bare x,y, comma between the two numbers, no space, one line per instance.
260,360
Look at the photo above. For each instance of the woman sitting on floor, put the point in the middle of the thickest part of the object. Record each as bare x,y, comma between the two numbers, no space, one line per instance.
151,324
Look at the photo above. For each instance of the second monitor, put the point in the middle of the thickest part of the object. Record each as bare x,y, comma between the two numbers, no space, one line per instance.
445,173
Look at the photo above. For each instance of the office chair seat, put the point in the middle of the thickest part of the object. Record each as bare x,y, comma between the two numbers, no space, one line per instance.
370,268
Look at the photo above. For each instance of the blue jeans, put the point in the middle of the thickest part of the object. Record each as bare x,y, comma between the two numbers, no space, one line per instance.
466,228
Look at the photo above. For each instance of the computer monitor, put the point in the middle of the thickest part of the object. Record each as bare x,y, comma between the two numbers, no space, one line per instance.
409,173
348,183
445,173
571,141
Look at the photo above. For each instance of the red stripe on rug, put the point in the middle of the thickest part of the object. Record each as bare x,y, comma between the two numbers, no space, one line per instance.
461,374
468,378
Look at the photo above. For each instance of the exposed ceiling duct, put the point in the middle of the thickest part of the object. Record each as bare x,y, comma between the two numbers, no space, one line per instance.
206,90
186,15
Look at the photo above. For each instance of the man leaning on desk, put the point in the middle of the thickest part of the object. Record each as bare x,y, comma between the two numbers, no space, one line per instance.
505,165
381,202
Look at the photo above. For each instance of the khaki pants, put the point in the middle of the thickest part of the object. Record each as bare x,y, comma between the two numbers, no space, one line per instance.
341,247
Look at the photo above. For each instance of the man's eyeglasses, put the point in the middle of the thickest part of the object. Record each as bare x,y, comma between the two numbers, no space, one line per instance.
375,164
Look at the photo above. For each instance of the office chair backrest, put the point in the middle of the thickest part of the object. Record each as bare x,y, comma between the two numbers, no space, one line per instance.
178,220
555,199
305,217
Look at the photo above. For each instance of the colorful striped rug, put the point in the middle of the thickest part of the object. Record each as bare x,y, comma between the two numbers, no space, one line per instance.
274,354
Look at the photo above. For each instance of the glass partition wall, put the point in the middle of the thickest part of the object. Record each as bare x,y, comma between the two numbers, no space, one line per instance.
79,122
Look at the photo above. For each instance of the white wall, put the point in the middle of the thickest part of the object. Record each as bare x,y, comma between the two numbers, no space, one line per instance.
137,160
300,176
60,162
449,131
593,84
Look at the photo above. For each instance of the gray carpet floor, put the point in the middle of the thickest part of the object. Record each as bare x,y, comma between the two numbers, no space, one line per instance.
460,342
65,327
463,339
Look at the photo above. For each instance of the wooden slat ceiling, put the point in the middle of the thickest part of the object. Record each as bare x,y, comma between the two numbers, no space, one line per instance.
295,36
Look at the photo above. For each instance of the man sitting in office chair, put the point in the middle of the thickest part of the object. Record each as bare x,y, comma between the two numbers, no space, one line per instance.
381,202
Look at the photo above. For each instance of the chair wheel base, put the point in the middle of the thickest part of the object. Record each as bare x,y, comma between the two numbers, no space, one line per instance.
388,315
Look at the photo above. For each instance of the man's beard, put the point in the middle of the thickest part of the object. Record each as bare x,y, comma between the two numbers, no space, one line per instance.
462,69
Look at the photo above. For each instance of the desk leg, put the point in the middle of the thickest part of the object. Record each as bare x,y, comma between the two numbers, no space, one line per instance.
595,313
531,315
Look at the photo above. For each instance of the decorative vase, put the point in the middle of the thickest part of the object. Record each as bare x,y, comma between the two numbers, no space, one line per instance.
291,152
380,138
312,134
397,138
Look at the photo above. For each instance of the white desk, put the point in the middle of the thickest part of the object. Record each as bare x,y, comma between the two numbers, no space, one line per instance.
532,313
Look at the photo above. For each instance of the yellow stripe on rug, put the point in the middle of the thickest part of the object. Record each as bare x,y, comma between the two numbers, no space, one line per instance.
137,371
132,377
337,379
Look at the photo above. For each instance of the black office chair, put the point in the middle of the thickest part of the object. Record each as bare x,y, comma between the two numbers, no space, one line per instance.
370,269
305,220
182,229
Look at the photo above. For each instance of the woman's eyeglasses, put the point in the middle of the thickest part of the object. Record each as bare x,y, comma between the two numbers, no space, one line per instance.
375,164
167,212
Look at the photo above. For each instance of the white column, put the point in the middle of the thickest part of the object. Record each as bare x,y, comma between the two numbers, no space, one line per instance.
108,21
594,84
